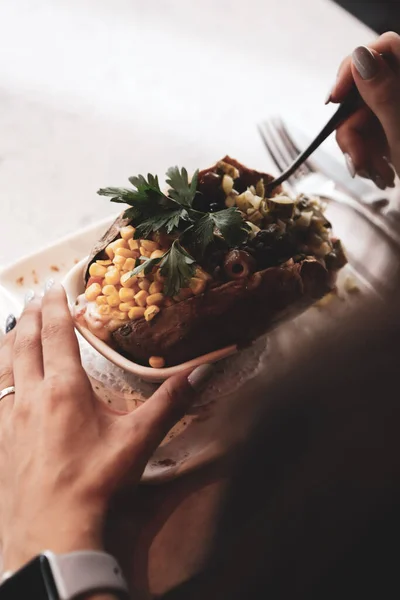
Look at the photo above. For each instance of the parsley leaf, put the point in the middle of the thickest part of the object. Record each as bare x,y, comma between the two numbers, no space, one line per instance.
146,200
181,190
231,225
203,233
228,222
168,220
147,265
177,266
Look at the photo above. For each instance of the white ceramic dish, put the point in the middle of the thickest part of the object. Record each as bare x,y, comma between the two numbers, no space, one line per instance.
74,286
194,441
199,437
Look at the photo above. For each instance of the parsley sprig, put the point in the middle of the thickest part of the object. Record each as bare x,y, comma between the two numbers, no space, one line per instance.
176,265
151,210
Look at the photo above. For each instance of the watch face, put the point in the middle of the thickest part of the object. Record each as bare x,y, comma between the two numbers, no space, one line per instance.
35,580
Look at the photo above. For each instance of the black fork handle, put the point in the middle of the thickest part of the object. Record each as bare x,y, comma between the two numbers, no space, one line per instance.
348,107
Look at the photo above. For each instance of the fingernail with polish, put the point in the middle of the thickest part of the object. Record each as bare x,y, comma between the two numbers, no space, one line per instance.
350,164
365,62
48,285
11,322
29,296
199,378
329,96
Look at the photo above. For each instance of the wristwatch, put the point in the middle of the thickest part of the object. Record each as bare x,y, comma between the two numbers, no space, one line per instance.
52,576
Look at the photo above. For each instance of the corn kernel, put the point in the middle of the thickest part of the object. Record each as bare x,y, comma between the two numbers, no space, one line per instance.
109,251
129,264
157,254
104,310
116,314
149,245
144,252
111,248
156,299
151,312
127,281
127,232
105,263
119,243
134,244
197,285
96,270
140,298
109,289
119,261
92,292
157,362
136,312
113,299
144,284
126,294
156,287
126,306
101,300
123,252
112,276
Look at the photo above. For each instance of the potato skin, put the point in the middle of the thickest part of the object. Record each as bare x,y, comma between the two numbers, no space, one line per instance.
110,235
236,312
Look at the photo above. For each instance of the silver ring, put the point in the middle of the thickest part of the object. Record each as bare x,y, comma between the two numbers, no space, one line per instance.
7,391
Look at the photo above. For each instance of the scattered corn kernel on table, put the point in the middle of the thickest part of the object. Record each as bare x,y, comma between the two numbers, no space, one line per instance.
92,92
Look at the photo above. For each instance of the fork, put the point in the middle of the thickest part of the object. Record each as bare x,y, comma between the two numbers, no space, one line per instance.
348,107
282,150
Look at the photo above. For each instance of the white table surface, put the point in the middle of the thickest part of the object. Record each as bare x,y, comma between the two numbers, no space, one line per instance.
92,91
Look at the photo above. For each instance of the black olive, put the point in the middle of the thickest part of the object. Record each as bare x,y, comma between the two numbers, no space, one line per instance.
214,207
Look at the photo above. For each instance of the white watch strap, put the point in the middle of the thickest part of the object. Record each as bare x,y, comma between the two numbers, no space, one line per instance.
86,571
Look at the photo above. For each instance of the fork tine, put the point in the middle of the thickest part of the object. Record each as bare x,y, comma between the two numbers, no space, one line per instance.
273,151
290,153
291,146
270,146
278,147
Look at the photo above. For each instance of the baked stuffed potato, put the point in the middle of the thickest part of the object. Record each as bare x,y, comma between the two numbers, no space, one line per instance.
210,263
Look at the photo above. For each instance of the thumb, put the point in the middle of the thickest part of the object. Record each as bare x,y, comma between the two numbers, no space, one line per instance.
379,86
147,426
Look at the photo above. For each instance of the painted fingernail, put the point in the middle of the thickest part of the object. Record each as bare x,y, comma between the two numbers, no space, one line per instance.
29,296
329,97
365,62
199,378
379,182
11,322
48,285
350,164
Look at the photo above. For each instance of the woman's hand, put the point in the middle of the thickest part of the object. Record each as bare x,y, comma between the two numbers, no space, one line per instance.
370,138
63,452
